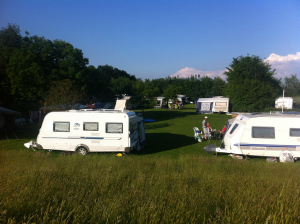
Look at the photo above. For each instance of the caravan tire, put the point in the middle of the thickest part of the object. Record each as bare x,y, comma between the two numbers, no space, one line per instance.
82,151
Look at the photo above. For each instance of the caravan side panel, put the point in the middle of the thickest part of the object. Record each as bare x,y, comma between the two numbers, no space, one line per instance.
269,136
221,105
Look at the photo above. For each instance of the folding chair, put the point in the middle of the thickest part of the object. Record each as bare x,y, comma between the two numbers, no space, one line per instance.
197,134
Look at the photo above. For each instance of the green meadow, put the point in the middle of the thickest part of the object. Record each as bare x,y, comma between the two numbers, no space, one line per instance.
171,180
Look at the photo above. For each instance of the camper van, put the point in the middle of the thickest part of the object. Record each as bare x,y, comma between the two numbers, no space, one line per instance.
212,105
263,134
286,101
91,130
160,102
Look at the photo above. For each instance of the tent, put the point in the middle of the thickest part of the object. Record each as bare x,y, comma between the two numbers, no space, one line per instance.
204,105
99,105
11,120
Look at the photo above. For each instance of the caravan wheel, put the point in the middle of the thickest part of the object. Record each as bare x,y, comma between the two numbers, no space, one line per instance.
82,151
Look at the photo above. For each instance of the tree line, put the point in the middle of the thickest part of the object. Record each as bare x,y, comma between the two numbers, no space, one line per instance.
33,67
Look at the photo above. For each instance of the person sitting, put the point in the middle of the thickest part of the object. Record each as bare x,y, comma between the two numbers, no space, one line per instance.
176,105
210,128
180,105
222,132
212,132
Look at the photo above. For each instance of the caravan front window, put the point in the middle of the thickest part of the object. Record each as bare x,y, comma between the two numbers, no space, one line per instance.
114,127
295,132
90,126
263,132
221,104
61,126
234,127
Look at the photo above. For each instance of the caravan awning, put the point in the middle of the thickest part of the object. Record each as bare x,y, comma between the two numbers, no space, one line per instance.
205,100
7,111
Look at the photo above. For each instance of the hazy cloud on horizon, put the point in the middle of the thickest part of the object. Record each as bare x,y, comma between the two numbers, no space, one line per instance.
284,65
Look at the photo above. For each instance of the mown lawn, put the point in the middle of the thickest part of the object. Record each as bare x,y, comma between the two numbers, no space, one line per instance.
172,180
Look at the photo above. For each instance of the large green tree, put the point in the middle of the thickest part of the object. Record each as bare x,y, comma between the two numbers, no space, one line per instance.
63,95
10,40
39,61
292,85
251,84
218,87
171,92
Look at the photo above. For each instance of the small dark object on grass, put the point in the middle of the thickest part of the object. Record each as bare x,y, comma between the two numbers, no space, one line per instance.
149,120
66,153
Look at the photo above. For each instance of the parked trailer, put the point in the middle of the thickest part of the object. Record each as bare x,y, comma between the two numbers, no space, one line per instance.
160,102
263,134
286,101
212,105
91,130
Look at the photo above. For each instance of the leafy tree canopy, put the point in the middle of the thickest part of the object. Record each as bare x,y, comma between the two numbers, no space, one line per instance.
251,84
10,39
62,95
292,85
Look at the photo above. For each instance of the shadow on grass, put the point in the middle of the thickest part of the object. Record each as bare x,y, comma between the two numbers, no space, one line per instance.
30,133
156,126
159,142
162,115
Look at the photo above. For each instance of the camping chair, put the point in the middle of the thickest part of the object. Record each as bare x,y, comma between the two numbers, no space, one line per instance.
176,106
214,135
197,134
169,106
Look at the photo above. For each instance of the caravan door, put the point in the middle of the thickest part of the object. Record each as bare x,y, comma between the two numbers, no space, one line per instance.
133,134
233,136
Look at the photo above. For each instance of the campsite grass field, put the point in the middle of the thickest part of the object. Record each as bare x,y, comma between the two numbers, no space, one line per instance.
171,180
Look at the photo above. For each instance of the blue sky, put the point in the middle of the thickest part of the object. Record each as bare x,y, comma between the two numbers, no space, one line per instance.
155,39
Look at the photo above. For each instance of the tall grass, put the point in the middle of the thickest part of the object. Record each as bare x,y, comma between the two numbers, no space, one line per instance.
40,188
171,180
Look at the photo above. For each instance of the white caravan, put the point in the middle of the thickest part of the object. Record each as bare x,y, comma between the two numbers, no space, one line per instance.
263,134
286,101
212,105
90,130
160,102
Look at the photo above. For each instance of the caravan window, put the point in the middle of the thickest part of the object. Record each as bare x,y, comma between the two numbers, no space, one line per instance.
263,132
61,126
234,127
114,127
90,126
295,132
221,104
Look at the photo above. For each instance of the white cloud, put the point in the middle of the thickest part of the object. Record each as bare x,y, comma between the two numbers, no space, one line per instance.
188,72
285,65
